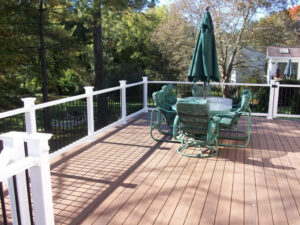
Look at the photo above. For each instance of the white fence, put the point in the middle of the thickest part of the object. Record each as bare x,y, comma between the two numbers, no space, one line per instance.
273,106
277,103
37,161
13,164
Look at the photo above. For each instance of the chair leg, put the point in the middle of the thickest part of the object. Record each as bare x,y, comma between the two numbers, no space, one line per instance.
246,138
186,144
156,125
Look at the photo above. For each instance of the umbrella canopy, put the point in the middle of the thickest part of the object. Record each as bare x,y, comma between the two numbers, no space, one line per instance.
289,70
204,66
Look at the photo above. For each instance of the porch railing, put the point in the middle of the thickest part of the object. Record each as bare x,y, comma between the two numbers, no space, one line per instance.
79,118
27,172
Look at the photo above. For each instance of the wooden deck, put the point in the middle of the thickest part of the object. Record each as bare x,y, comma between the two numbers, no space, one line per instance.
127,178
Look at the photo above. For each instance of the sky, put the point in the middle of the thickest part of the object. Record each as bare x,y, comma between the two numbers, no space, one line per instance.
165,2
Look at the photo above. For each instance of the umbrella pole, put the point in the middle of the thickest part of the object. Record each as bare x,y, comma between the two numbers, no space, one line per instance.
204,95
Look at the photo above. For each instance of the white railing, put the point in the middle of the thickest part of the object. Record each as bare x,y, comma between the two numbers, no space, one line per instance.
14,163
30,108
29,111
273,101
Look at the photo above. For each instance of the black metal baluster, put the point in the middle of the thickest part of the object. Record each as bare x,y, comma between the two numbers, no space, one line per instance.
4,215
28,187
17,199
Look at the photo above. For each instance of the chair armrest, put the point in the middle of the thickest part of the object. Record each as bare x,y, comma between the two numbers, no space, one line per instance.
213,129
167,111
227,115
216,118
175,124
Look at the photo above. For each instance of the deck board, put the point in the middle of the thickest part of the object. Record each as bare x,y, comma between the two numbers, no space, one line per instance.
125,177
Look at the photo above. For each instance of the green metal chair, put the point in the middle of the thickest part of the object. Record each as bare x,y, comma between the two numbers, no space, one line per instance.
198,91
163,122
229,121
194,127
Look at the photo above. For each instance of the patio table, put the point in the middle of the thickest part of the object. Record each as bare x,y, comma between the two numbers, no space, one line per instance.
217,105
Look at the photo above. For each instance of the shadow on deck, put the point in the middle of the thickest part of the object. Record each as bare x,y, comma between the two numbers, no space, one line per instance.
127,178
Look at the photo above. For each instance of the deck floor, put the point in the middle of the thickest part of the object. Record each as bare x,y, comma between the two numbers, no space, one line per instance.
127,178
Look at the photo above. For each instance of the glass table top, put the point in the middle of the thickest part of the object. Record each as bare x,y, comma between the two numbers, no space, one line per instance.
216,104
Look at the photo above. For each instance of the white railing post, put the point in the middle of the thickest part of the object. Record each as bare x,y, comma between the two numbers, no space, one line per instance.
271,101
30,119
276,98
13,142
123,100
40,178
145,94
90,112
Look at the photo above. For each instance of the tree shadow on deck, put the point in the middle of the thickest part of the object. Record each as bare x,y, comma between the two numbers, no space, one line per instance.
265,147
96,170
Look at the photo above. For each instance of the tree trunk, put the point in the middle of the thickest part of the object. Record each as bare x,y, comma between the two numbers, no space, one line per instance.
47,123
102,109
98,51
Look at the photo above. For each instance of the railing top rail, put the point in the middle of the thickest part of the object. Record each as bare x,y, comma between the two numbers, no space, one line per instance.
17,167
212,83
171,82
59,101
289,85
134,84
12,113
106,90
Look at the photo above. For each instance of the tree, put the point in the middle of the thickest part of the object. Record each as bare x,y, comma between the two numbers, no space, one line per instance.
273,30
92,12
174,38
232,21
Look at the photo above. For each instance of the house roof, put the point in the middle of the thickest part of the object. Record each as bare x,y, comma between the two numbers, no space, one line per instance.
283,52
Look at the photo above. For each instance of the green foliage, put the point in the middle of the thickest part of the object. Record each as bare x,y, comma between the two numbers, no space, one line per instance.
274,30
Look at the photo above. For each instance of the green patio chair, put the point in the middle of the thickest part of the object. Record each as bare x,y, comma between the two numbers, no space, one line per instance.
198,91
194,127
229,121
163,122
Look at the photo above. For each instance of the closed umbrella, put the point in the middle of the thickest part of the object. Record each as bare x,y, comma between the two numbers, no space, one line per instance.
204,65
289,70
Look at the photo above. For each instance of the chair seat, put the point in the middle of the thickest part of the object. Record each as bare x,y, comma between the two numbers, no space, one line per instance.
194,127
229,122
225,122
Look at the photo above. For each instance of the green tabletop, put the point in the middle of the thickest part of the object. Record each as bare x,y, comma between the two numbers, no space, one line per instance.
217,105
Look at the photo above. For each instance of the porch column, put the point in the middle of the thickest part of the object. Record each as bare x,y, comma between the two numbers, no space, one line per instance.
298,72
272,66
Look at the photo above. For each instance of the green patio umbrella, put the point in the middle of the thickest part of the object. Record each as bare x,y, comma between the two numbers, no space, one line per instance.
204,66
289,70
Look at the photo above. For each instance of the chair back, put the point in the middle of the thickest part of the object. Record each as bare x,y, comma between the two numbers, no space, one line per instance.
198,91
193,116
208,90
245,101
169,96
159,100
164,107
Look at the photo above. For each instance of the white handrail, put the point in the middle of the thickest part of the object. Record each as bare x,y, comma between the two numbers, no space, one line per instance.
18,167
212,83
134,84
59,101
106,90
289,85
12,113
